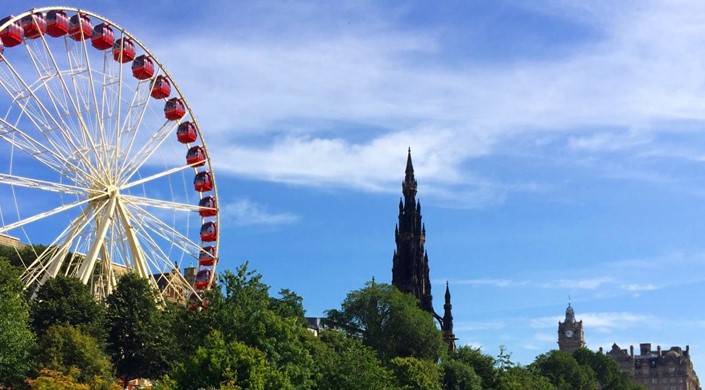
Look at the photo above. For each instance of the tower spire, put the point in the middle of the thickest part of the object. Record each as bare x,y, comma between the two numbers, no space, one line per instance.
409,185
447,323
409,168
410,270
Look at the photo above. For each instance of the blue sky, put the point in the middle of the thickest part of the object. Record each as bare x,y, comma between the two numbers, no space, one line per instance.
558,148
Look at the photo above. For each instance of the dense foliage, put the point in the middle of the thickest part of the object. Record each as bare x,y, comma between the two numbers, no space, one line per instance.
16,339
248,339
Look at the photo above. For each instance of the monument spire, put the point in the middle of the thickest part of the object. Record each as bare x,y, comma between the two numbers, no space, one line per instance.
410,270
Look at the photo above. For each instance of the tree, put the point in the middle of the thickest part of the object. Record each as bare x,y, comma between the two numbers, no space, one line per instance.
605,368
521,378
245,314
389,322
241,310
289,305
483,365
459,376
137,342
416,374
21,257
343,362
65,300
55,380
218,362
564,372
16,339
65,349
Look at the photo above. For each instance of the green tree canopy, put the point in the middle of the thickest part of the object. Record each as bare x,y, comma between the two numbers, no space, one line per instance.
65,349
483,365
459,376
218,362
605,368
21,257
389,322
56,380
564,372
343,362
65,300
137,342
16,339
521,378
289,305
416,374
242,310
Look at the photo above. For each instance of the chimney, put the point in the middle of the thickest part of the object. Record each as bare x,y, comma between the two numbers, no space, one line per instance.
644,349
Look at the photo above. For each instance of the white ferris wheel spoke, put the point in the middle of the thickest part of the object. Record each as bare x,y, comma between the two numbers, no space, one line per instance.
88,263
140,200
138,255
161,261
118,113
130,168
165,231
37,150
37,112
50,260
133,123
41,185
45,66
155,176
42,215
85,97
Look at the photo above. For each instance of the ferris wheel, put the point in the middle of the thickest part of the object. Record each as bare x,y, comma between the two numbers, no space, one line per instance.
103,167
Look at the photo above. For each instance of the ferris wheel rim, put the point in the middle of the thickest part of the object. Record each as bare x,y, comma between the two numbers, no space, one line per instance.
116,208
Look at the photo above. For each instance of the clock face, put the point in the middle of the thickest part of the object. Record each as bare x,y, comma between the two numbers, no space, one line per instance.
569,333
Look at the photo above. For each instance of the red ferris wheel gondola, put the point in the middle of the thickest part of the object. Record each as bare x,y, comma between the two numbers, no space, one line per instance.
34,25
203,181
143,67
80,27
57,23
11,35
196,156
186,133
207,257
102,37
209,232
203,278
123,50
174,109
208,206
161,88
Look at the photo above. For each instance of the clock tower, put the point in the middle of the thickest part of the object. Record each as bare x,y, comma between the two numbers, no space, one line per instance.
570,332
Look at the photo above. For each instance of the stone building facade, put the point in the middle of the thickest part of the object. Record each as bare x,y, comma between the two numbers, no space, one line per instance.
12,242
671,369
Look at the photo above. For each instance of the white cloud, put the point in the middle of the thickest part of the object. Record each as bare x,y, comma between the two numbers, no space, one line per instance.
313,99
583,284
500,283
608,141
600,322
640,287
580,284
478,325
244,212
